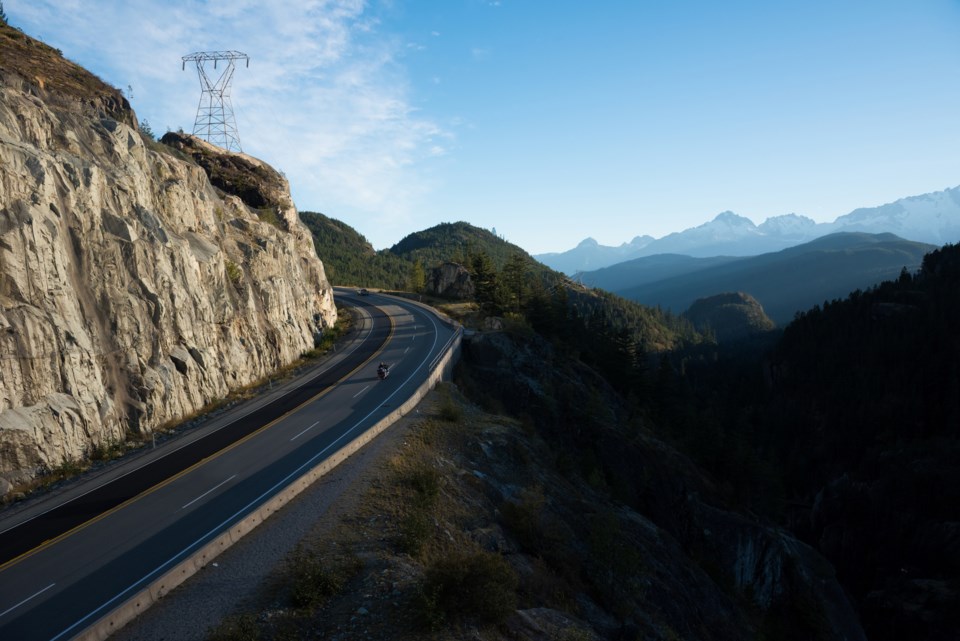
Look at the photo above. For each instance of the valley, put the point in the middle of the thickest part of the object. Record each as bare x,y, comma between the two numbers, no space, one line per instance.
735,431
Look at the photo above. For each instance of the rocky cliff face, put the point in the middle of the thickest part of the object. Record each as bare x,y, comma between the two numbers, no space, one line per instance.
132,291
450,280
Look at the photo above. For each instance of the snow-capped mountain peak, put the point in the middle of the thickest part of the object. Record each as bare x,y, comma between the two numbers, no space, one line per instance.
792,224
930,218
730,219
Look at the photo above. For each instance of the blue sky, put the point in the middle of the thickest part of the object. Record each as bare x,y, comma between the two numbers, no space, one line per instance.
553,120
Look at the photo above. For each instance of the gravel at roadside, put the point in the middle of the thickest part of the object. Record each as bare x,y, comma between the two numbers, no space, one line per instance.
235,576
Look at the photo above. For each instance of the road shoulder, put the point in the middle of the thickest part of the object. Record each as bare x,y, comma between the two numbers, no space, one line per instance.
237,576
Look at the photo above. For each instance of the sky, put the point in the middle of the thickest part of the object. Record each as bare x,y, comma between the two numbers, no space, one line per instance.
550,121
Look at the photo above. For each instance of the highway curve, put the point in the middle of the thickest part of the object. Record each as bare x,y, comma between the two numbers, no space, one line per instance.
71,559
65,516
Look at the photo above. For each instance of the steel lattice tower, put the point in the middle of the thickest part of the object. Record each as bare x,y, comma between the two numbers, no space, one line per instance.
215,122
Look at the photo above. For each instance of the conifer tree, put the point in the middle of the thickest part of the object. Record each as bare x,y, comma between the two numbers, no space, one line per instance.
485,281
418,277
514,276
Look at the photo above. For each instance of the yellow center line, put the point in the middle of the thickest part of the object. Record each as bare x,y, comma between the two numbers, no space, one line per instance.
50,542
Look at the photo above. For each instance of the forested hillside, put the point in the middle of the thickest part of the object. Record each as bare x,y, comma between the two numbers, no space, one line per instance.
349,259
849,431
508,281
785,282
867,392
845,428
459,242
730,316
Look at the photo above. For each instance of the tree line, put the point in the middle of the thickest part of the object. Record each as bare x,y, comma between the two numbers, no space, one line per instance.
845,428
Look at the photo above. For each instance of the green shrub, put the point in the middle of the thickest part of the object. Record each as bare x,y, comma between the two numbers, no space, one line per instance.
417,524
479,587
523,518
110,449
234,273
450,410
415,529
425,482
330,334
241,627
269,215
313,581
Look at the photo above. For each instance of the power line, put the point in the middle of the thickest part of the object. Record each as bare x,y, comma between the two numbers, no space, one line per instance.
215,121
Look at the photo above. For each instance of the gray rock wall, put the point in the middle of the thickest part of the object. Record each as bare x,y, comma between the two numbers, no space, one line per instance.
132,293
450,280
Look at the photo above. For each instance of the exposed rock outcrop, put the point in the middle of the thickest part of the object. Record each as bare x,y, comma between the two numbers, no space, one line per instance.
450,280
132,291
730,316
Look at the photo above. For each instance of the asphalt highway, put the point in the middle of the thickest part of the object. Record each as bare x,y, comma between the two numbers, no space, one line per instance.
70,559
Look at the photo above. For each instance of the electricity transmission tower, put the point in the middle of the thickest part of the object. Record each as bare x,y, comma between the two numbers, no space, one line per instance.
215,122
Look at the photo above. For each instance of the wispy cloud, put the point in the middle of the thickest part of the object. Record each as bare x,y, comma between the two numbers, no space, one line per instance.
325,98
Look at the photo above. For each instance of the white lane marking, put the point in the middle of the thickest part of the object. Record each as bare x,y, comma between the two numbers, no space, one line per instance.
170,562
243,412
305,431
405,351
32,596
208,492
361,391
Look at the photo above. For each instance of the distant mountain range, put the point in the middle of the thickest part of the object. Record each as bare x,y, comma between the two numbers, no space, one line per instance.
931,218
784,282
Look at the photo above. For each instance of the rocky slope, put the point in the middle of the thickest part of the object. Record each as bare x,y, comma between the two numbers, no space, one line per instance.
707,571
132,291
450,280
476,526
730,316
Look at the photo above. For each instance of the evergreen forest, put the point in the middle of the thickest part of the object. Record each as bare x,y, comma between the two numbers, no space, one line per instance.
843,427
846,429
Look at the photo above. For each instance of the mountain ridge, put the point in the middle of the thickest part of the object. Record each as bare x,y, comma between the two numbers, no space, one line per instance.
785,282
932,218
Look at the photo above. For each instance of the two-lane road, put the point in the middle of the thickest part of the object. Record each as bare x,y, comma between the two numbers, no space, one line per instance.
111,538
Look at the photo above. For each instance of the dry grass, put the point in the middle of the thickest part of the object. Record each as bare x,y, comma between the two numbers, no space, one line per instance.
62,81
423,576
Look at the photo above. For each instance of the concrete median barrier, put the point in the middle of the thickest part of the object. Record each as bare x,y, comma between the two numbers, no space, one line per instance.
183,570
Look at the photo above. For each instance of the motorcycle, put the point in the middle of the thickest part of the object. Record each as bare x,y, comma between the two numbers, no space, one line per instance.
383,371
